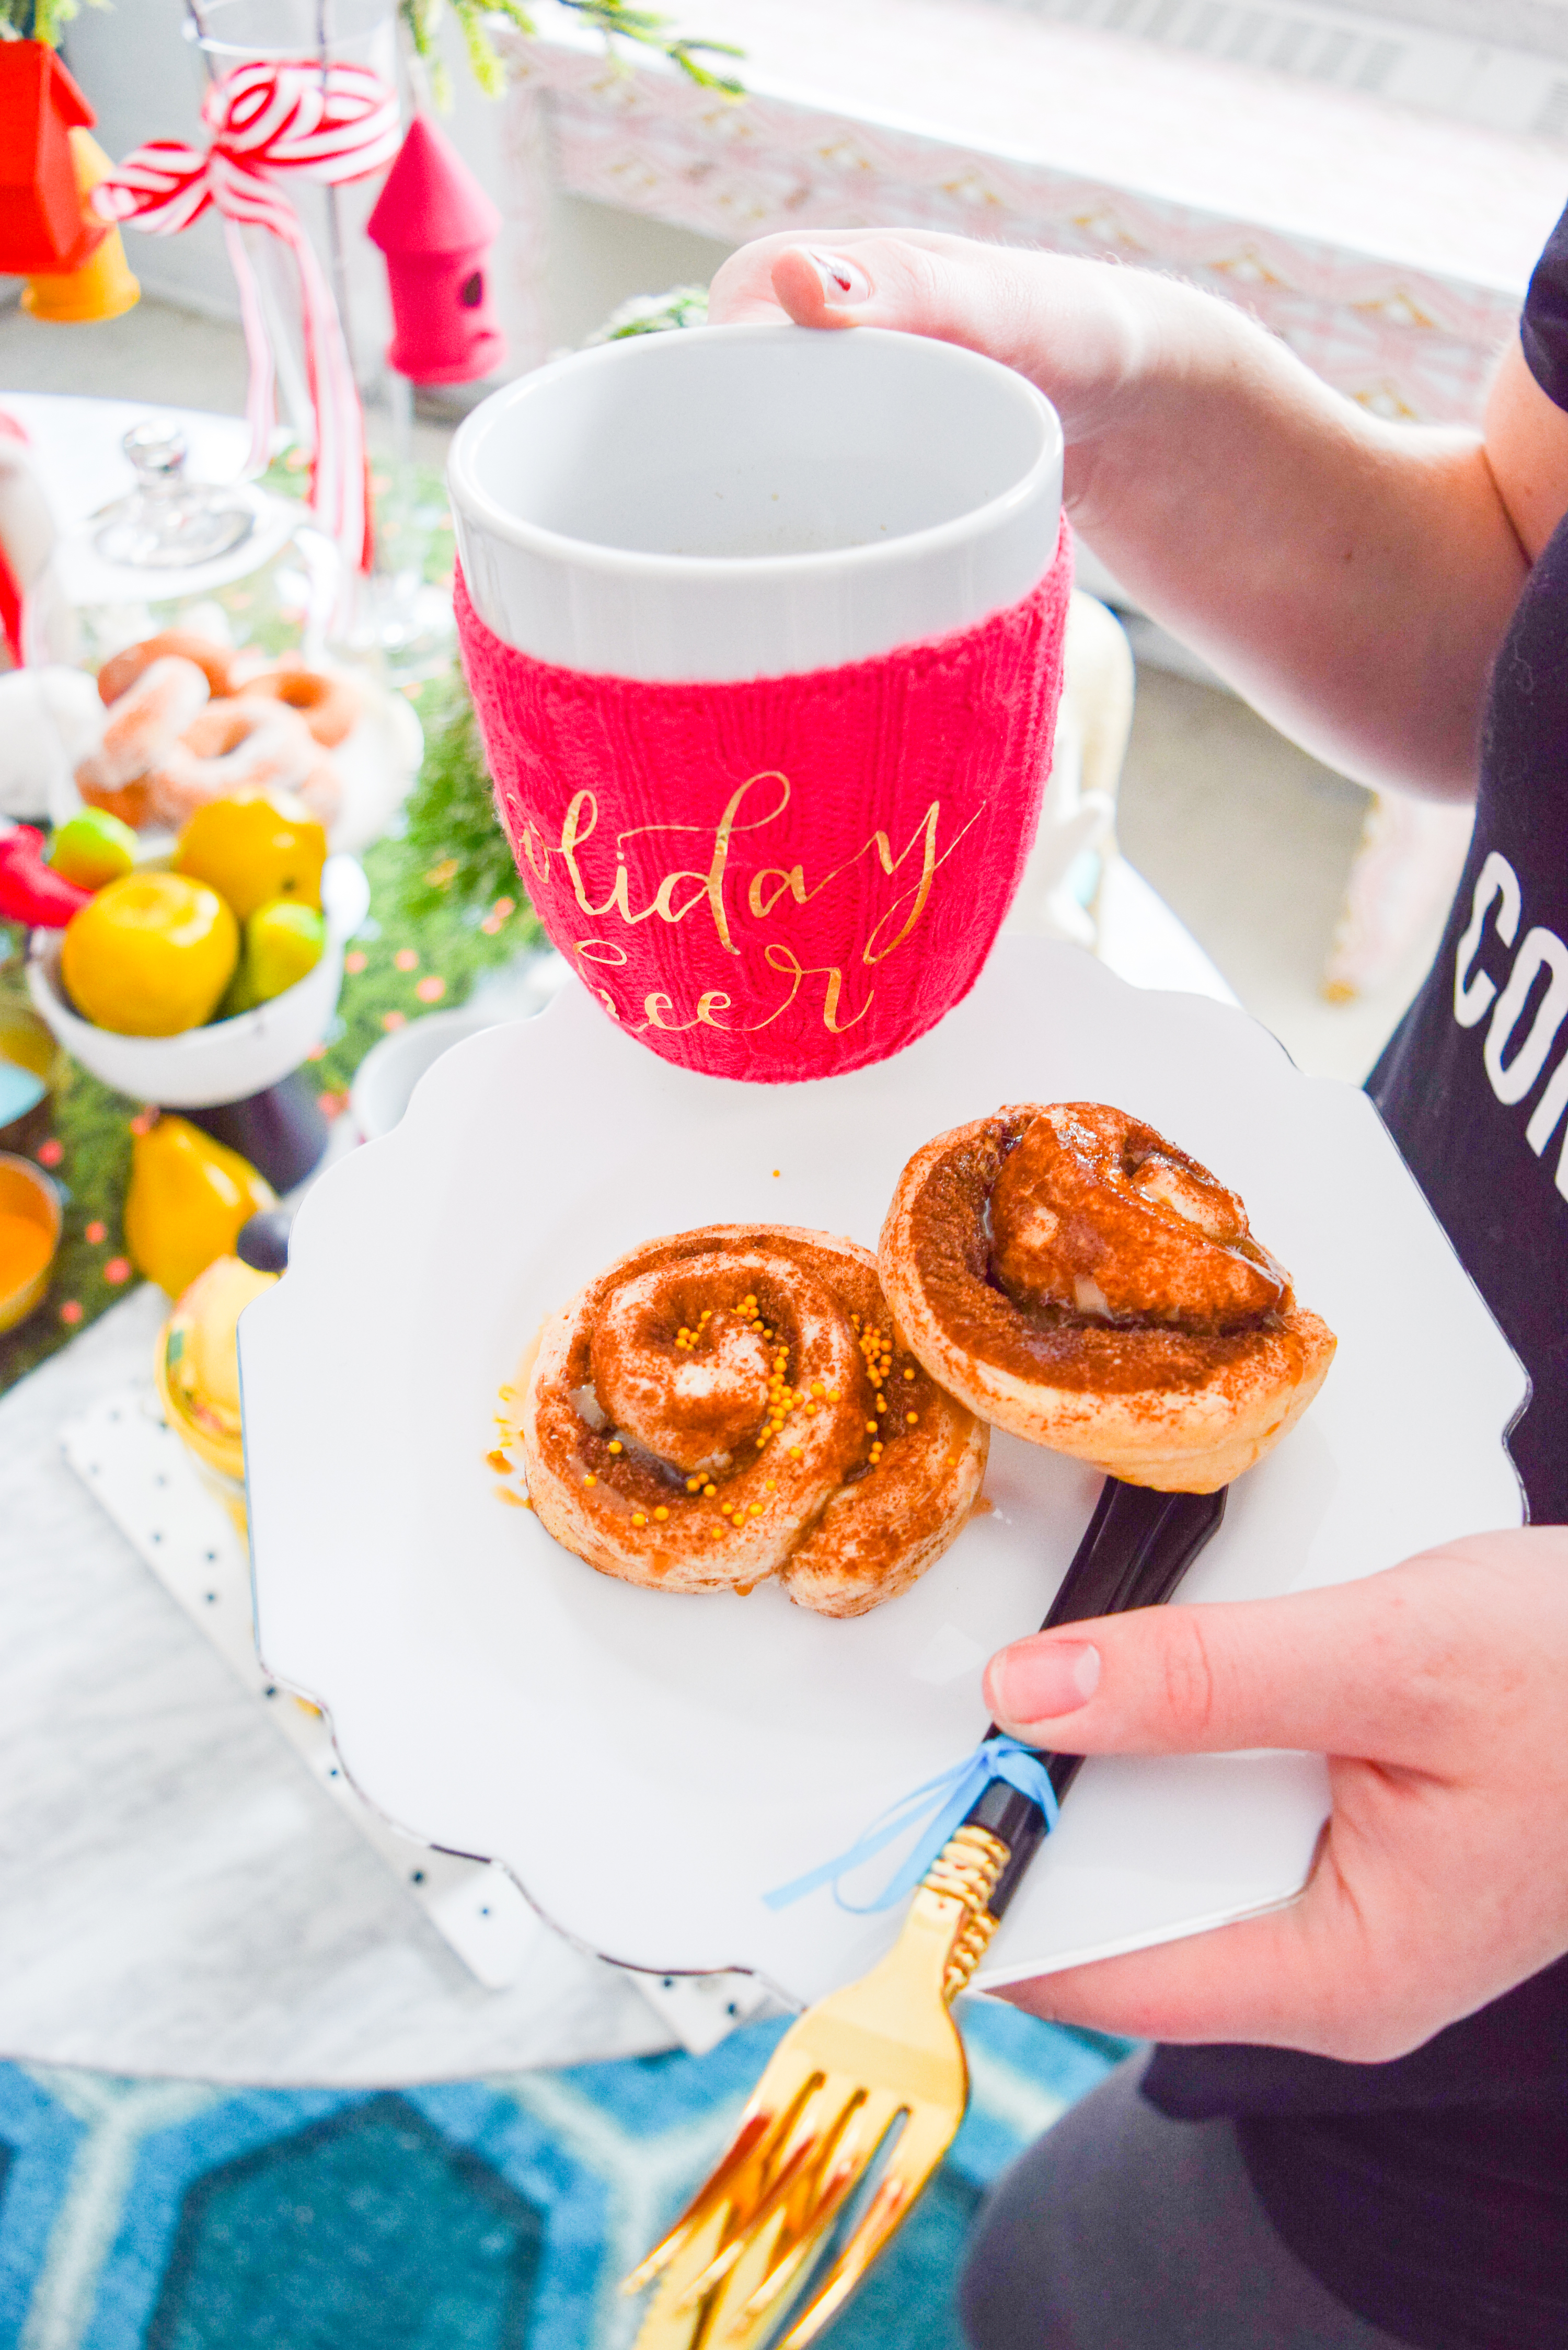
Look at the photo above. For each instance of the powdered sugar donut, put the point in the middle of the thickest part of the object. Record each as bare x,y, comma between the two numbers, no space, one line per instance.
123,669
330,706
238,746
143,726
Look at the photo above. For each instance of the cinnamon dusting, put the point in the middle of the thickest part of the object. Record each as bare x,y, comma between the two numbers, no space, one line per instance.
1077,1247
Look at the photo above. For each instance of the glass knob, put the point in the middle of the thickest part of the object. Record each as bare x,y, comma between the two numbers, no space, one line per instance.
157,449
168,523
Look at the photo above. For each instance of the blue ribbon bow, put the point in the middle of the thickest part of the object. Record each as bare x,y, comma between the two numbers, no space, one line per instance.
942,1803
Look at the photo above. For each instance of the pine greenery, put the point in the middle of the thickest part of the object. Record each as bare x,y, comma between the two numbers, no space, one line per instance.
452,856
616,19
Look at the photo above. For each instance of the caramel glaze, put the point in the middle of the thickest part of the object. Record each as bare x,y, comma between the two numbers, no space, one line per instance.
650,1392
1034,1200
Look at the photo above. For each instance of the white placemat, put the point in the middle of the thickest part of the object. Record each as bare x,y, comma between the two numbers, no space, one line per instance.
141,1474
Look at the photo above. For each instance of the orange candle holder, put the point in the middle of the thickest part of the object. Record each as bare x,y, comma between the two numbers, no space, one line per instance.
30,1224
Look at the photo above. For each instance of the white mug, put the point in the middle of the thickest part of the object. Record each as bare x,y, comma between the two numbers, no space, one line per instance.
737,502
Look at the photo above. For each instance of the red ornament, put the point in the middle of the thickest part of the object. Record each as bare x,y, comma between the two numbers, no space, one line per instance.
11,589
436,225
31,892
44,224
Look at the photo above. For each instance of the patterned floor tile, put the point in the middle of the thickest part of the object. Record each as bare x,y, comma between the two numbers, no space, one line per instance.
367,2226
496,2215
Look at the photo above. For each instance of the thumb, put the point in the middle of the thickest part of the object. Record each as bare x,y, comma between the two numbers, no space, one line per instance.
917,281
1371,1669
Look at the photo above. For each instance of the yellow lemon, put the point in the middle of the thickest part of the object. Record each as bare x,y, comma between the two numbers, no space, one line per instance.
253,847
188,1198
149,955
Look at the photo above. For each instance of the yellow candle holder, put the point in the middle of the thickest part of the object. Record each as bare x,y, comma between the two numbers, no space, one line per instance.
197,1370
28,1202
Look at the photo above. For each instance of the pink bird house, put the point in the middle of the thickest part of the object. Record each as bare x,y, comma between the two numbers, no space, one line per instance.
436,225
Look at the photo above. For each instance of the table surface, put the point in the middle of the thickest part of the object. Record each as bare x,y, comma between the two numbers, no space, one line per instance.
177,1895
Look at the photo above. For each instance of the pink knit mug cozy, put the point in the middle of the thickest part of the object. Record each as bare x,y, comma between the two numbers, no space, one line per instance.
764,628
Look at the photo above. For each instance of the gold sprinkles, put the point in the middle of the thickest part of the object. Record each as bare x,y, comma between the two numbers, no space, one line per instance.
784,1400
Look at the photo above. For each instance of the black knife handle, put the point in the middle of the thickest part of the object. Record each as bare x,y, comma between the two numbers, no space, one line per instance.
1135,1550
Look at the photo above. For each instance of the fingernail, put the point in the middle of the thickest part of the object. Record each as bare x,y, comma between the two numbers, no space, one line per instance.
1041,1679
843,281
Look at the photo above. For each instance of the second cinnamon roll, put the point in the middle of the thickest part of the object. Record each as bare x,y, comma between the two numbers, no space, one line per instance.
730,1404
1084,1283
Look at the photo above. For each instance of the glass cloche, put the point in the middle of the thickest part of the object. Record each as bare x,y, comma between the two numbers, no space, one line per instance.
231,560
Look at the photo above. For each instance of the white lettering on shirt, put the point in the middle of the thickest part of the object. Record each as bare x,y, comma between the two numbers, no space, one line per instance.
1497,878
1476,992
1541,951
1543,1125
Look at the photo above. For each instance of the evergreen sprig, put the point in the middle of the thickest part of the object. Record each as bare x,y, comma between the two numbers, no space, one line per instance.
40,20
653,314
616,19
452,857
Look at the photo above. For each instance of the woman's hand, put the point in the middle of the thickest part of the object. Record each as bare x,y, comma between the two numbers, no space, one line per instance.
1441,1880
1089,336
1352,578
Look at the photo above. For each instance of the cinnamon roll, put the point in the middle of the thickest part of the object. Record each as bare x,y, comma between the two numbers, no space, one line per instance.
731,1404
1076,1278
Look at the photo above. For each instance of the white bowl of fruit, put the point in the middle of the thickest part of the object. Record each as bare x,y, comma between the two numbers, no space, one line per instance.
207,975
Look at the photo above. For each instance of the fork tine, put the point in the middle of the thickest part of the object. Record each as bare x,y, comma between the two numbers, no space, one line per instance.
839,2184
774,2204
763,2283
673,2321
888,2208
717,2189
756,2135
749,2304
926,2137
789,2126
690,2311
770,2114
809,2175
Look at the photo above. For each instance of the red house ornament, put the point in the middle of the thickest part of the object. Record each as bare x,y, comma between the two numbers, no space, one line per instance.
435,226
44,224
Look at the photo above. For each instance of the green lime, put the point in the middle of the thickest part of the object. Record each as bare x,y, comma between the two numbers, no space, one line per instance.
93,848
282,942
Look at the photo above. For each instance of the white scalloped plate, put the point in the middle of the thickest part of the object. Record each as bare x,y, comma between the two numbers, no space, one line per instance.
646,1765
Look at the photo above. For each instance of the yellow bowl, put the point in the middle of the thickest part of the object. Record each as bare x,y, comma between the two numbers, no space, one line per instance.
27,1194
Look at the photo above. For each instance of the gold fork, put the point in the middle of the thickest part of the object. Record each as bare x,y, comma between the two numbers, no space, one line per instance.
884,2052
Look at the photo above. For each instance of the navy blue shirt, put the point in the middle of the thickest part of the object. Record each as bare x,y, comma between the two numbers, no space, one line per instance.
1431,2193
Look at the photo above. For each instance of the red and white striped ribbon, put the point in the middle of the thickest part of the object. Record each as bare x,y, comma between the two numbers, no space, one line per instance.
328,123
